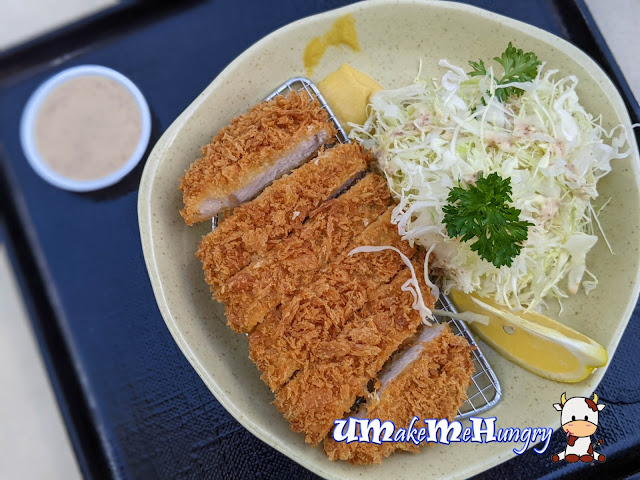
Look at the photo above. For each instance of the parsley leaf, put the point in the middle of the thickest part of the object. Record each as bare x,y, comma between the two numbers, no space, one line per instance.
518,66
481,212
478,68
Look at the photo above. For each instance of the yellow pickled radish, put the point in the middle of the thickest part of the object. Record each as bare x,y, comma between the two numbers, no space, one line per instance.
347,91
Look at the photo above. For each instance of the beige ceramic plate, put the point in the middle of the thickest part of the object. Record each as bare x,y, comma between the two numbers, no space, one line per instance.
393,36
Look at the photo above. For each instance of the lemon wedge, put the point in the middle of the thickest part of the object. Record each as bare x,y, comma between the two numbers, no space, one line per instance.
534,341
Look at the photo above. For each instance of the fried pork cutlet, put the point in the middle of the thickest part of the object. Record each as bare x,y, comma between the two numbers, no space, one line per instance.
273,138
328,388
257,226
429,380
264,284
287,338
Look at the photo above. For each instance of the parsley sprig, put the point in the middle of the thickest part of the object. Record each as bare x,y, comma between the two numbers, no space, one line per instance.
482,212
518,67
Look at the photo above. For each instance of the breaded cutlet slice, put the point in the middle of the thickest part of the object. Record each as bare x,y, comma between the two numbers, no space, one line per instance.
262,285
327,389
429,380
259,146
257,226
287,338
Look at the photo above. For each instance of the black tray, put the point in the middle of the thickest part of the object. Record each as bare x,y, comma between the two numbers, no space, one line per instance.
133,406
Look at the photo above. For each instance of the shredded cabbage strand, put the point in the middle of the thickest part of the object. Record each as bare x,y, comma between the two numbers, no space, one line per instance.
431,136
412,286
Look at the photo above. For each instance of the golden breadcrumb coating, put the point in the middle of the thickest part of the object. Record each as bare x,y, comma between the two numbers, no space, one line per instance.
328,388
247,148
432,386
257,226
287,338
262,285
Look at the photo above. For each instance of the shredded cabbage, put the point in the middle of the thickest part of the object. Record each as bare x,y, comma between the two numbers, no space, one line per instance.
431,136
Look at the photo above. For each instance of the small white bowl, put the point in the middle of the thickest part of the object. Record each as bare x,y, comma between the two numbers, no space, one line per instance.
27,123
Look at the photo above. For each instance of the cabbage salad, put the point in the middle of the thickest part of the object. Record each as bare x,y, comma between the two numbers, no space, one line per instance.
435,138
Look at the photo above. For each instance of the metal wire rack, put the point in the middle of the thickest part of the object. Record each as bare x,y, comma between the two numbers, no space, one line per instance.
298,84
484,391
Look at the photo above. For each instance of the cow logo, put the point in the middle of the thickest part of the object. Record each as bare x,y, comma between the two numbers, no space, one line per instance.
579,419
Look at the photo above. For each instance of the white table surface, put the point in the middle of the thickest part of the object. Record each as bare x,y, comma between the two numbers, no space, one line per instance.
33,441
619,22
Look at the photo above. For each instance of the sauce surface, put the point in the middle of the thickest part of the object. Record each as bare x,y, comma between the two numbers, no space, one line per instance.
88,127
342,32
